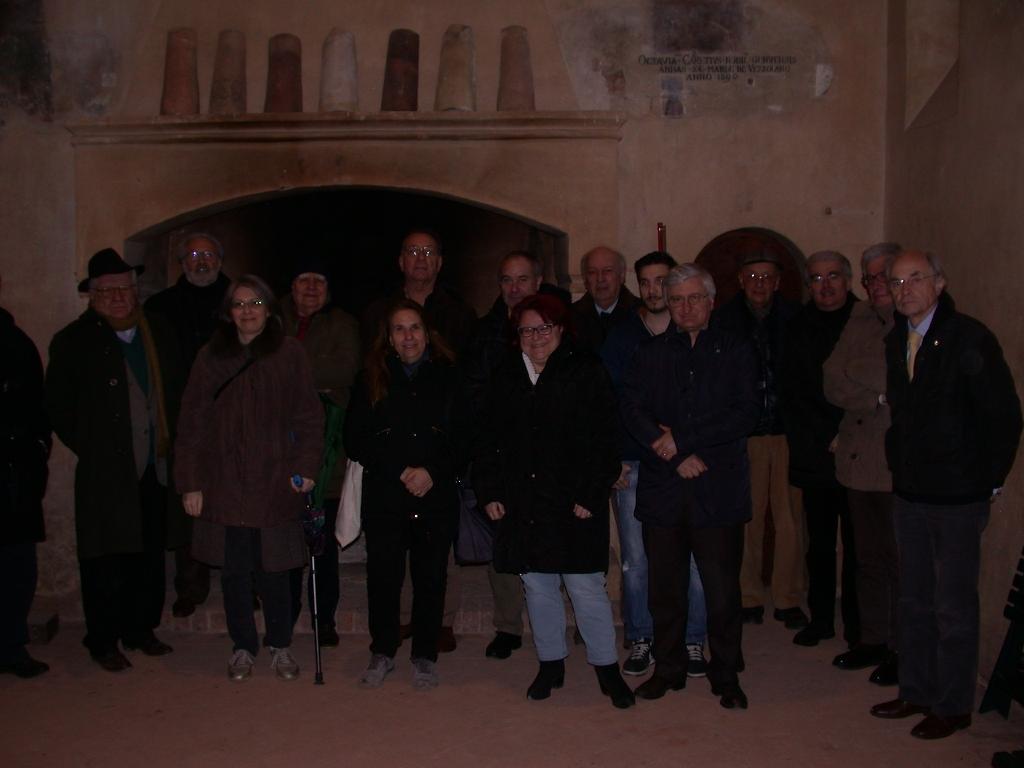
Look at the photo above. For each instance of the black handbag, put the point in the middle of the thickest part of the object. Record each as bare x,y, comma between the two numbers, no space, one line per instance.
474,541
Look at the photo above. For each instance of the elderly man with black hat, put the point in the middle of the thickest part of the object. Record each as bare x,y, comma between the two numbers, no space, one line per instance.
112,388
760,314
330,337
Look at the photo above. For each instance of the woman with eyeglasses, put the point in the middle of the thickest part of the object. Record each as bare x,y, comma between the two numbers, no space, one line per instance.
250,422
544,471
403,427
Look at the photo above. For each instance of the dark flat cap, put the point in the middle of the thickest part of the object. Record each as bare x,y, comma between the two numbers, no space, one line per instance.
761,256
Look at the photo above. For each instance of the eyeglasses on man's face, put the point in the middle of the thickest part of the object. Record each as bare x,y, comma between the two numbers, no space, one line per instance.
760,277
909,282
420,250
831,276
114,290
241,304
693,299
200,255
529,331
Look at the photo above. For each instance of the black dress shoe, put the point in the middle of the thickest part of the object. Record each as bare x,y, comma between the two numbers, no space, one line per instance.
733,697
149,646
753,615
793,618
897,709
888,672
812,635
550,675
328,635
446,640
503,644
112,661
655,687
182,608
861,657
25,668
938,727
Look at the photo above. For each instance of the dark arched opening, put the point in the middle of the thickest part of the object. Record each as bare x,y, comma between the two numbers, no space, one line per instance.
358,230
723,256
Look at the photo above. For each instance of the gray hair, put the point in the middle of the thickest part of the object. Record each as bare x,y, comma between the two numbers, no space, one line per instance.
934,262
877,251
535,265
183,252
618,256
819,256
684,272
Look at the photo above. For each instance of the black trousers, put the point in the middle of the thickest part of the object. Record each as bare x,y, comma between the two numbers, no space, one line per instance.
940,557
328,589
719,555
242,573
123,593
427,541
18,575
877,566
827,514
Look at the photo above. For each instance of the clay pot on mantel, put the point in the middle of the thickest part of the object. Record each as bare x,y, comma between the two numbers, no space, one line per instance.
339,81
284,74
515,80
401,73
456,77
181,79
228,89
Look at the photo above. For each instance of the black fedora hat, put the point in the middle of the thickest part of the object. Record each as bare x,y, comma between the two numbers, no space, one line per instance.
107,262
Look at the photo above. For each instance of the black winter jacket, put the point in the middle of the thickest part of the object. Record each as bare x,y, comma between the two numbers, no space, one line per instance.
415,425
956,426
24,437
545,448
705,394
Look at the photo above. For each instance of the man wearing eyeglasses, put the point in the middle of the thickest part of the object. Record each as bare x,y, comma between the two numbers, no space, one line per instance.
855,381
420,259
811,425
956,424
113,387
192,306
760,314
689,400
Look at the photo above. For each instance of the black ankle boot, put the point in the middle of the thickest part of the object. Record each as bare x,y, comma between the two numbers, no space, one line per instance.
613,686
550,675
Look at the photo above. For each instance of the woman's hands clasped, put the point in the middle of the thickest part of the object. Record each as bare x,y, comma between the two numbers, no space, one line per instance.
417,480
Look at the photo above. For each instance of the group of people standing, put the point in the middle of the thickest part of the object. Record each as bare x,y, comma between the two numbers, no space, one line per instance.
200,420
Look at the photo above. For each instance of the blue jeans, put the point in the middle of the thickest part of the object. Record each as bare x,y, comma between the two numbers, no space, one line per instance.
636,617
593,612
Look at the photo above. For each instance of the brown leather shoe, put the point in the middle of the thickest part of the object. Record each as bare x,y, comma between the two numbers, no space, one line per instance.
897,709
938,727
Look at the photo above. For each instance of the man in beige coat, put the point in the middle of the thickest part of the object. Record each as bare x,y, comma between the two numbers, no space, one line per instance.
854,377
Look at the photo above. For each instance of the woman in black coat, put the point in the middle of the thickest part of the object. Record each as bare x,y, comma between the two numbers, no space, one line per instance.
545,468
400,427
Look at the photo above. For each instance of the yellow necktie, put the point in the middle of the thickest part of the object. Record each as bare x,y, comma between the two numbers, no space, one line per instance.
914,340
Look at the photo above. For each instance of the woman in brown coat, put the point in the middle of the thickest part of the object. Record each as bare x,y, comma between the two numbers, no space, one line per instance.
250,421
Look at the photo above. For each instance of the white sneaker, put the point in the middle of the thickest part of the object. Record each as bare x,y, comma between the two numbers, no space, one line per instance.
240,666
380,666
424,675
283,663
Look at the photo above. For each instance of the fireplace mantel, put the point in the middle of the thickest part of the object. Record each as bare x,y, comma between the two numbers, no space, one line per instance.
378,126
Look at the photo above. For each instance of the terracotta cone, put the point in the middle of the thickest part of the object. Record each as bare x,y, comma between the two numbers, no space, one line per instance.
181,80
228,89
401,72
284,74
339,81
515,81
456,77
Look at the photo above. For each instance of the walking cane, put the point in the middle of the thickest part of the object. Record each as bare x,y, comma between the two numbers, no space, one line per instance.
313,527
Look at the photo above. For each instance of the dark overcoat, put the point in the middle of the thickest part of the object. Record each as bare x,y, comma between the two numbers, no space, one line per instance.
416,424
88,403
956,426
24,437
705,393
242,446
544,449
